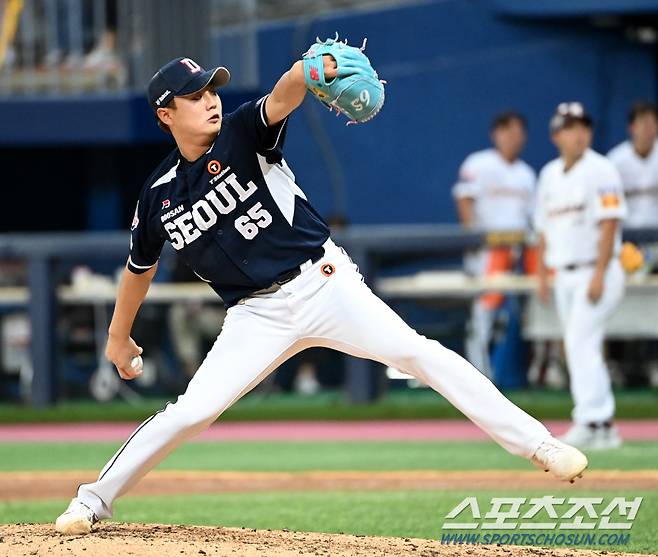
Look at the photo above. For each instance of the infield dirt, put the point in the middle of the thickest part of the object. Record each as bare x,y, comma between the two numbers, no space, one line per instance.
142,540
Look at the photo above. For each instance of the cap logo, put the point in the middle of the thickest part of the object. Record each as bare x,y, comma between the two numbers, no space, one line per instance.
191,65
574,109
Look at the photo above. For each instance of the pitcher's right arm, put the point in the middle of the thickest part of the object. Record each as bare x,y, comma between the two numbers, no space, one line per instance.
121,348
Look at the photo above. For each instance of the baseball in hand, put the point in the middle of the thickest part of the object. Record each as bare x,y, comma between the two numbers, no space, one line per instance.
136,363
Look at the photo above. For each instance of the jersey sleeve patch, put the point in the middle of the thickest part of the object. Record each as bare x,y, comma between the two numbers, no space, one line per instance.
467,175
608,196
467,184
609,203
610,200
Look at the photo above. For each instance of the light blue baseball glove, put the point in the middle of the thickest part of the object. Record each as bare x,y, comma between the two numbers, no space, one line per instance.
356,91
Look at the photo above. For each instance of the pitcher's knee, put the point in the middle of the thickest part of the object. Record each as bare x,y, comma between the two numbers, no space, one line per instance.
193,414
420,356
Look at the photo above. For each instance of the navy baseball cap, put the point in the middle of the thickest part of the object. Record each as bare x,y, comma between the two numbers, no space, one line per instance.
567,113
180,77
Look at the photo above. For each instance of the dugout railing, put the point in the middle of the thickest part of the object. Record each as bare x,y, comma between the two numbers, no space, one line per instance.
369,246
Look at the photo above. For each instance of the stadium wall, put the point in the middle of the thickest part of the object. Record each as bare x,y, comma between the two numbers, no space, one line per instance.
450,66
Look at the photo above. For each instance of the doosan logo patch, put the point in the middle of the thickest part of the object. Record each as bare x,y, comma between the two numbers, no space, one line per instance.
214,167
166,203
328,269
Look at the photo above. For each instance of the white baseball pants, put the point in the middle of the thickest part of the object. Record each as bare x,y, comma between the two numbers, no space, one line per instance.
337,311
478,337
482,263
583,326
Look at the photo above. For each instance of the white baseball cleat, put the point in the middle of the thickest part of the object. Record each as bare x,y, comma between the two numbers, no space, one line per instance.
607,437
592,436
563,461
580,435
77,519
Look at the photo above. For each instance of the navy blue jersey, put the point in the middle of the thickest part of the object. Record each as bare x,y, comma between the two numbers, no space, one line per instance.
235,215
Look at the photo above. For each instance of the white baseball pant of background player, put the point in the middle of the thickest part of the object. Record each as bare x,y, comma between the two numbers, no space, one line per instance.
337,311
480,328
584,323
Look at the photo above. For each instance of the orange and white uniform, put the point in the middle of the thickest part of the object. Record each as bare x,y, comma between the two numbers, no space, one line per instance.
639,177
570,206
502,190
503,197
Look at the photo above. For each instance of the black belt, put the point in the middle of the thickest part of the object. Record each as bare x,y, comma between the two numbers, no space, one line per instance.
576,266
283,278
294,273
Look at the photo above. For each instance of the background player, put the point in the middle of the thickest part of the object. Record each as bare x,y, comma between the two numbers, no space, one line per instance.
494,193
228,202
580,201
637,162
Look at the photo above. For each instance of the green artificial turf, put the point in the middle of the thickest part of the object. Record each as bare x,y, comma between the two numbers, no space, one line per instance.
329,405
324,455
392,513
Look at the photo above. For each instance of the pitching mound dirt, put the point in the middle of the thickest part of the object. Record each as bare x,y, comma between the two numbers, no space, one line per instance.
141,540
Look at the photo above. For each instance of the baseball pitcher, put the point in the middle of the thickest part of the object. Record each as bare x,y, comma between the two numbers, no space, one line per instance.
228,202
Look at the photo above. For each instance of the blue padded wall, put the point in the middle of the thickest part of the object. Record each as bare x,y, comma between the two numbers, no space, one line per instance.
450,66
